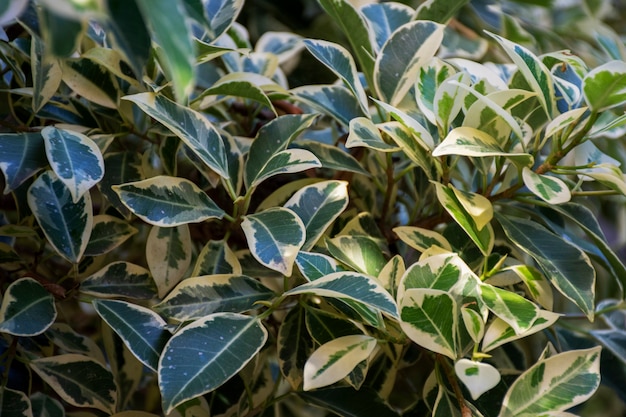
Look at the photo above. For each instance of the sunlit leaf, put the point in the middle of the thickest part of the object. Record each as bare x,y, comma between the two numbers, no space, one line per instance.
604,87
363,132
359,252
478,377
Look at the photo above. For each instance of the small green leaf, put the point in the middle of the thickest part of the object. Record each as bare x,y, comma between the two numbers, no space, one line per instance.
65,222
429,318
474,323
120,279
514,309
22,155
27,308
554,384
287,161
143,331
478,377
499,332
353,286
79,380
315,265
334,360
318,205
192,127
108,233
363,132
197,297
170,28
410,47
604,87
167,201
550,189
168,253
216,257
205,354
275,236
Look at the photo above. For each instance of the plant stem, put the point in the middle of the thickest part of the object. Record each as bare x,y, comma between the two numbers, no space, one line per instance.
450,375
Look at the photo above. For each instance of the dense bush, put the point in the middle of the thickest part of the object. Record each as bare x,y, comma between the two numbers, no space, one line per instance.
186,233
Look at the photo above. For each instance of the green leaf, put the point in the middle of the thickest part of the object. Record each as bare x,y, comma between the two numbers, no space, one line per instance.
220,15
14,403
284,45
399,61
563,121
429,317
550,189
170,28
439,10
449,99
537,285
315,265
192,127
325,327
275,236
200,296
108,233
478,377
385,18
46,71
75,159
168,253
79,380
334,360
354,26
338,60
483,238
474,323
392,273
536,74
332,157
430,76
359,252
69,341
405,138
92,81
567,267
348,402
143,331
66,223
241,84
120,279
334,100
167,201
22,155
294,346
514,309
61,33
476,205
27,308
318,205
216,257
604,87
352,286
205,354
554,384
272,139
119,168
468,141
421,137
287,161
499,332
45,406
363,132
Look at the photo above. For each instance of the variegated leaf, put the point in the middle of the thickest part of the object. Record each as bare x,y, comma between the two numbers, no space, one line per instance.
275,236
478,377
244,85
332,157
11,10
272,139
334,100
429,317
216,257
324,327
65,222
27,308
338,60
46,406
119,168
200,296
70,341
142,330
484,237
476,205
46,71
514,309
566,266
604,87
168,253
22,155
287,161
334,360
551,189
314,265
421,239
108,233
14,403
537,285
75,159
499,332
205,354
318,205
554,384
294,346
284,45
430,76
534,72
171,29
363,132
385,18
422,137
79,380
449,99
352,286
391,274
220,16
405,138
402,55
474,323
91,80
120,279
468,141
563,121
167,201
361,253
192,127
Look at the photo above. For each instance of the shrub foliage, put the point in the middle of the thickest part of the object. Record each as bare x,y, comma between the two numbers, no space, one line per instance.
184,233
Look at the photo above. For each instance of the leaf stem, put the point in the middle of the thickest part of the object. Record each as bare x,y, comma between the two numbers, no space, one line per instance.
452,379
